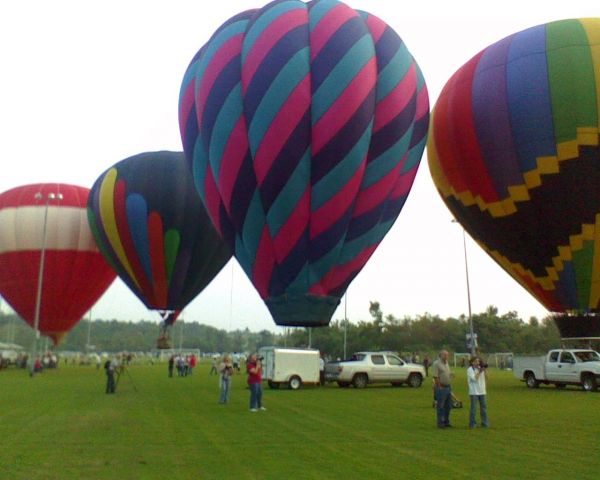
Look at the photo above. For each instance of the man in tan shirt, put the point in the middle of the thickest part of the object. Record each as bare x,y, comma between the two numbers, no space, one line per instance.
442,377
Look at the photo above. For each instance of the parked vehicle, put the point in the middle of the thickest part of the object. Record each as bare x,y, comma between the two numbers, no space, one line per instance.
293,367
560,367
364,368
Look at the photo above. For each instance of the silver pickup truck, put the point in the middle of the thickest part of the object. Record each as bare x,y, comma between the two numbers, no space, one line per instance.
561,367
374,367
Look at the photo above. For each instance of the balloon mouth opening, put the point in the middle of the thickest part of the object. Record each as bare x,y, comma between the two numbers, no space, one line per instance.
304,310
578,325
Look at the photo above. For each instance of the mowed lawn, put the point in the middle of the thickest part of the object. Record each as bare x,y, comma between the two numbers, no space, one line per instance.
61,425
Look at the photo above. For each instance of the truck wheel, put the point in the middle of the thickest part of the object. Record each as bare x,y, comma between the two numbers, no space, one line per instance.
360,380
589,383
273,385
343,384
415,380
294,383
531,381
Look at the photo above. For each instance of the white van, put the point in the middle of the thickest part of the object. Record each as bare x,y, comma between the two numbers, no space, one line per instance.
290,366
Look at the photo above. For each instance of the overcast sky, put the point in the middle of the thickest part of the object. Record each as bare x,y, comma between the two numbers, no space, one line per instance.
85,84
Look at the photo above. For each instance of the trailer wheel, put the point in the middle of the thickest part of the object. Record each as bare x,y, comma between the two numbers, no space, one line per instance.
360,380
589,384
415,380
531,381
273,385
294,383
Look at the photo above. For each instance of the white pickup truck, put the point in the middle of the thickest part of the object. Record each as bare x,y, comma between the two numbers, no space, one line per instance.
374,367
561,367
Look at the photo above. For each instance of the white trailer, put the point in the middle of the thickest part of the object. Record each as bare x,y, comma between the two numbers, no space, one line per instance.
290,366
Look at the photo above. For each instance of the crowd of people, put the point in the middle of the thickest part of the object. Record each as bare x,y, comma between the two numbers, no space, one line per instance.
184,364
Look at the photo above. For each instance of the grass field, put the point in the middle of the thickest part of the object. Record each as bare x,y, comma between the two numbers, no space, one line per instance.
61,425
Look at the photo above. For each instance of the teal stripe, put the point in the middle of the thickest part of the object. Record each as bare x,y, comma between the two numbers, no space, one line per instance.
414,156
370,238
227,118
283,85
214,44
290,195
264,19
188,77
420,77
318,10
241,255
199,166
301,282
319,268
334,181
342,74
253,225
394,72
385,163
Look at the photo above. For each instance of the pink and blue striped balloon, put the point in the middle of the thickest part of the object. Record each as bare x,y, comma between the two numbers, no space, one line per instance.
304,125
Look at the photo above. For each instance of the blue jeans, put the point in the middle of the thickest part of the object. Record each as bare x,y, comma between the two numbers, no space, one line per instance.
255,395
225,387
481,399
443,400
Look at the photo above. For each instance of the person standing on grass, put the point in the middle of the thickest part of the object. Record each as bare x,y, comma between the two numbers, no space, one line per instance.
110,366
442,377
171,365
225,371
254,369
476,376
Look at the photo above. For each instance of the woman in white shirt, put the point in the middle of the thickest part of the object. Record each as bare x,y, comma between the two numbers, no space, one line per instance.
476,375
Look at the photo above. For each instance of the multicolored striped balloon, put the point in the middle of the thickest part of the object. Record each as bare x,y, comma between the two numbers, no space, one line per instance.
514,154
304,124
74,273
152,228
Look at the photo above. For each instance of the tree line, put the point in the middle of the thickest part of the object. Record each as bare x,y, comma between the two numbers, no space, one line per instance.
425,333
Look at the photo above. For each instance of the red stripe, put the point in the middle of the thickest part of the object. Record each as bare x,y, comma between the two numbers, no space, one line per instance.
376,26
422,103
284,124
377,193
340,274
344,106
220,59
233,158
404,183
157,260
396,101
456,138
127,241
186,106
327,26
267,39
263,264
294,227
335,207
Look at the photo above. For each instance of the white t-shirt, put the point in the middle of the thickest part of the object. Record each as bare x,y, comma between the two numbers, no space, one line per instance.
476,384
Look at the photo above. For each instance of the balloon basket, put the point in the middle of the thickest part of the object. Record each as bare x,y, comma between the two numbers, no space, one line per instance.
163,343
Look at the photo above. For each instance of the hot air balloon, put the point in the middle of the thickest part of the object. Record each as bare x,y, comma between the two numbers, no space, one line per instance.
51,271
304,124
514,154
151,226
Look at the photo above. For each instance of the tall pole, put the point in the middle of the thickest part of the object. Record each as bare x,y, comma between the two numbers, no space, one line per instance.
471,332
345,321
40,282
89,333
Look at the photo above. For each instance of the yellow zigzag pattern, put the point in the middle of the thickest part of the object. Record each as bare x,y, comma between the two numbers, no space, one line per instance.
586,136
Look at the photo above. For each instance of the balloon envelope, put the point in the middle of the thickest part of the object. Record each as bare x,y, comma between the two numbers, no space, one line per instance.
304,124
152,228
514,154
75,274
